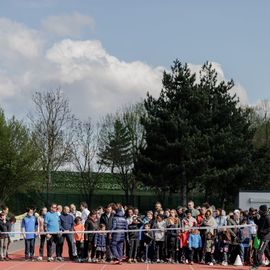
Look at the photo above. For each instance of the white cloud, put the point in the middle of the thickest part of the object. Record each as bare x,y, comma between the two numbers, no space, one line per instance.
95,81
68,25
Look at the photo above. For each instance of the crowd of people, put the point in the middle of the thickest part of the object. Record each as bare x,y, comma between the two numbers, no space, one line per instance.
115,233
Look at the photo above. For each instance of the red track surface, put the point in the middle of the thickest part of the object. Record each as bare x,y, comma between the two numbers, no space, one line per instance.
18,263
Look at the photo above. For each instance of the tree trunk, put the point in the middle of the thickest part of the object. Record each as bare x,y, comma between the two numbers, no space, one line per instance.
183,190
127,197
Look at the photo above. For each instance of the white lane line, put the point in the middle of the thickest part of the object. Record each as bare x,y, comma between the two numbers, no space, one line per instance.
104,266
59,266
16,265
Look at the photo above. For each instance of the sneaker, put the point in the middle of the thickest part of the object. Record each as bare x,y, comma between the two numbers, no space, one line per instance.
89,260
129,260
135,261
158,260
39,259
26,259
191,262
253,268
211,264
32,259
186,261
116,262
224,263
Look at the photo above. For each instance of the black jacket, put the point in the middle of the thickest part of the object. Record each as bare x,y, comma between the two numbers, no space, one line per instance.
107,221
263,224
90,225
134,235
148,237
3,228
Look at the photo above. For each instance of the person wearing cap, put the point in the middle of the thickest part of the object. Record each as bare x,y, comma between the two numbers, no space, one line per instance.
263,223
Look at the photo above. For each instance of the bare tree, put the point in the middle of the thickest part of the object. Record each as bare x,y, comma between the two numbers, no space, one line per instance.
52,125
84,158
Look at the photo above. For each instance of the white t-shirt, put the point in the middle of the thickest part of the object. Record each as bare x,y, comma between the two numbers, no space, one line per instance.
84,216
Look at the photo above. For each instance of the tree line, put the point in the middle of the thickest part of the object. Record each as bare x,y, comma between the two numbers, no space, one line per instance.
194,136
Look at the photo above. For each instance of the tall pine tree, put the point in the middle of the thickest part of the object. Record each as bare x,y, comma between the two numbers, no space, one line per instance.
196,135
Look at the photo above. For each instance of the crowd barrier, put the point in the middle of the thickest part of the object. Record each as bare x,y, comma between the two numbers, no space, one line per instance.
19,233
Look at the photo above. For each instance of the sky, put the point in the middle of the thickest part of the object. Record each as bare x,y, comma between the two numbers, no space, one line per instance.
104,54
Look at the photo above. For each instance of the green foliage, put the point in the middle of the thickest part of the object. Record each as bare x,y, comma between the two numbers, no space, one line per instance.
17,158
116,152
196,135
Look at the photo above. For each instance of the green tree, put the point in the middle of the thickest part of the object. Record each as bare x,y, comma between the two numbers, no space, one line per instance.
115,152
196,135
18,158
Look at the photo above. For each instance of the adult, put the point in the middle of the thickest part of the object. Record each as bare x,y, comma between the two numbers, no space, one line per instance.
106,219
158,207
85,211
59,209
118,223
234,234
194,212
41,236
220,217
51,226
66,225
263,223
91,224
201,216
74,212
209,222
129,215
181,212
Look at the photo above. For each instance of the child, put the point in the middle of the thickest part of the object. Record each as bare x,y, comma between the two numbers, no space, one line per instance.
209,249
224,246
79,237
100,243
29,225
148,238
160,237
182,246
133,239
3,237
194,245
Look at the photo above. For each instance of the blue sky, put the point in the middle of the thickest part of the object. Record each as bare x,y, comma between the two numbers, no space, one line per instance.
234,34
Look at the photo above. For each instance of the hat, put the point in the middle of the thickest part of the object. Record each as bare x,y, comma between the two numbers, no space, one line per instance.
263,208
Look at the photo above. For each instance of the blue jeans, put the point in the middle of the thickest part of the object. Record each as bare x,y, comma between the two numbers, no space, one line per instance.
29,248
118,249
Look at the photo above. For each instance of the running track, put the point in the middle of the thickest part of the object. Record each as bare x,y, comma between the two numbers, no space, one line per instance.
18,263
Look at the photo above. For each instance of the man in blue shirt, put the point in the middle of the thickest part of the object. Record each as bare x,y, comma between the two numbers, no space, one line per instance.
52,226
66,225
29,225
